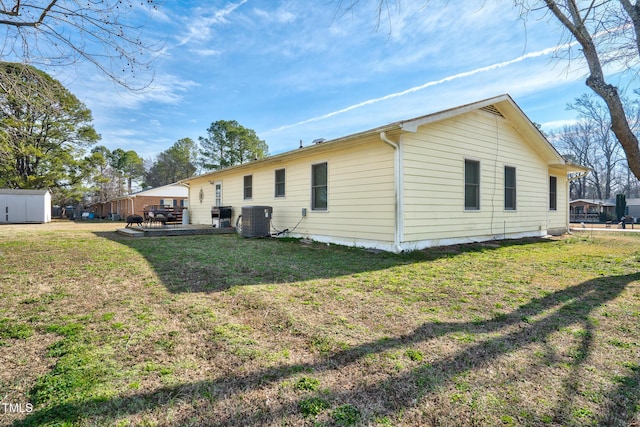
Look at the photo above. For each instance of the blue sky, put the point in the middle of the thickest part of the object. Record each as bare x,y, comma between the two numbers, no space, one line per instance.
299,70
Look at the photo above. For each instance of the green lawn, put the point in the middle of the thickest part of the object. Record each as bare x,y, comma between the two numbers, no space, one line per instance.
98,329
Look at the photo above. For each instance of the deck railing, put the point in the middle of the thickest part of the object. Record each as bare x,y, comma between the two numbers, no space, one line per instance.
585,217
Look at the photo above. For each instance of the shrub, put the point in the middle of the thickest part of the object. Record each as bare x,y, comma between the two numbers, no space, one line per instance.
606,216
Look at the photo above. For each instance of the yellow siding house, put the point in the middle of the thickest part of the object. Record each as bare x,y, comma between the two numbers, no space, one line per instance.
477,172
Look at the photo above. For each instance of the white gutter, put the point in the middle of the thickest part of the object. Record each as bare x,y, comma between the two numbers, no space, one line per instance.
399,206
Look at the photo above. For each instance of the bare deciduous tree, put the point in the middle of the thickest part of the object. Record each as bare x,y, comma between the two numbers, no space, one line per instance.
106,33
608,156
590,142
576,143
607,33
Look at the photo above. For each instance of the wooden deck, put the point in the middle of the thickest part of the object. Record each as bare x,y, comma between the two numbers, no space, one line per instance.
173,230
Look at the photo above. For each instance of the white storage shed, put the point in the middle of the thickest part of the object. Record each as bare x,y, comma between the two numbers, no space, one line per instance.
25,206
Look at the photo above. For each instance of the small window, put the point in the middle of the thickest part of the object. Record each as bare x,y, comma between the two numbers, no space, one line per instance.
509,188
471,185
248,187
319,187
218,187
553,193
280,187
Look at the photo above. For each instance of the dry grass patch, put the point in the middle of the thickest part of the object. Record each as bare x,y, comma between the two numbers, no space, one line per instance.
220,330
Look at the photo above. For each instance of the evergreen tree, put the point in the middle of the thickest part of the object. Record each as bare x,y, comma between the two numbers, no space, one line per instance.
228,144
176,163
44,130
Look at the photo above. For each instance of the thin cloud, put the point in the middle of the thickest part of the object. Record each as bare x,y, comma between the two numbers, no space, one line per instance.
166,89
278,16
558,124
427,85
206,52
200,29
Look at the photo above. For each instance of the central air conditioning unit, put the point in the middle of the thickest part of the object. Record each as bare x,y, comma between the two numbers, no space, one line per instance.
256,221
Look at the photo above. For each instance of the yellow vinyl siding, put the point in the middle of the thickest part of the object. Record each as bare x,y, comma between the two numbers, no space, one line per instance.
433,160
360,193
196,207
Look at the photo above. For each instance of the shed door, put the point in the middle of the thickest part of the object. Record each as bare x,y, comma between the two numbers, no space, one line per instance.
4,209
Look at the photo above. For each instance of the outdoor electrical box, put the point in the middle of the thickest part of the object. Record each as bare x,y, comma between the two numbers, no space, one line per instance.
256,221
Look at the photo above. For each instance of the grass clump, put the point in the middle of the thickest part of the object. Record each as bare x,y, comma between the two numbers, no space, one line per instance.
74,375
10,328
312,406
68,330
414,355
346,415
307,384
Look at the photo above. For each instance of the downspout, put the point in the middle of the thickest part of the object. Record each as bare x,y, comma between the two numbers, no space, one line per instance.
399,206
568,210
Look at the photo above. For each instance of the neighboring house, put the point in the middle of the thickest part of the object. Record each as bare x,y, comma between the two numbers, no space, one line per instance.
589,210
173,195
633,208
25,206
473,173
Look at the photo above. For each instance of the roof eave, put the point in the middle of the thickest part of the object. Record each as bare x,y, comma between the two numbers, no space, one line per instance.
299,151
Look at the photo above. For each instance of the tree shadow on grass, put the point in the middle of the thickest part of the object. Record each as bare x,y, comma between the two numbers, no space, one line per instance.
215,263
534,322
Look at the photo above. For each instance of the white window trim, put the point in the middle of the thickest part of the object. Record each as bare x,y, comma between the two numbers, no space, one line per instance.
244,187
503,188
464,184
275,184
311,208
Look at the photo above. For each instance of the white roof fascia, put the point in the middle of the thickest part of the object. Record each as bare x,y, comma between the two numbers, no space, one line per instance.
18,191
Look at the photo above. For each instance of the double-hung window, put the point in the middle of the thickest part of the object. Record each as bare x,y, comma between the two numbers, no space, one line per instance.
218,187
248,187
319,187
280,183
509,188
553,193
471,185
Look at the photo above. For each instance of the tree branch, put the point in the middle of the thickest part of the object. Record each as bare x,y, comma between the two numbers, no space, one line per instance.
596,80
